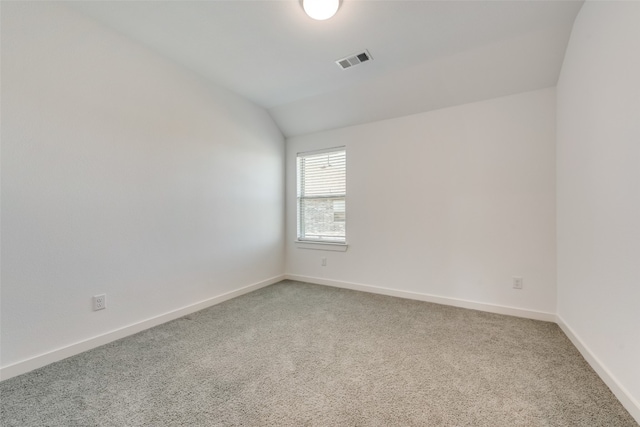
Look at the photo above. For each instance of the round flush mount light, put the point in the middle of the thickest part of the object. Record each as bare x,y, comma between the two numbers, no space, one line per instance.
320,9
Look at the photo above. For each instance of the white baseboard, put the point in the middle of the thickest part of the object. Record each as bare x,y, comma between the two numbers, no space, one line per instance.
455,302
627,400
47,358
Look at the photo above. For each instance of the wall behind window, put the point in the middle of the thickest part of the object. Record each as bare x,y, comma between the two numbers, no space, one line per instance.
126,175
450,203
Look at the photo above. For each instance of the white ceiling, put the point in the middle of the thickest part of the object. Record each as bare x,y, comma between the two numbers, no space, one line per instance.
427,54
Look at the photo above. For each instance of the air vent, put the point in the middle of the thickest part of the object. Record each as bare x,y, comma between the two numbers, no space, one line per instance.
353,60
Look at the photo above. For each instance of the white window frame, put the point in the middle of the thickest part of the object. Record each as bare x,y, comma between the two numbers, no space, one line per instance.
325,242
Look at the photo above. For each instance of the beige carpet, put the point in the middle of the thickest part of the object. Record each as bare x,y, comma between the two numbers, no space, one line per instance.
295,354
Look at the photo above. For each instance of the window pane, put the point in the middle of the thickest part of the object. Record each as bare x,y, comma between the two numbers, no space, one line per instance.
321,189
319,222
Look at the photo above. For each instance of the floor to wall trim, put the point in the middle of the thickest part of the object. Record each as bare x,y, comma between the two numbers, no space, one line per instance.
49,357
455,302
623,395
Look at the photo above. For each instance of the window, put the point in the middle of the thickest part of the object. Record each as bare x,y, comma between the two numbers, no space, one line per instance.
322,191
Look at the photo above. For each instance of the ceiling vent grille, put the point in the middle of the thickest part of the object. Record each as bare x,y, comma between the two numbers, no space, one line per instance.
353,60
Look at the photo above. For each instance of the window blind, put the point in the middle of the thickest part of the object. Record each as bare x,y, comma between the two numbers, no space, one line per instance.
322,191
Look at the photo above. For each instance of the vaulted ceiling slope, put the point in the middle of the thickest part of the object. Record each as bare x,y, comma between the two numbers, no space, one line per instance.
426,54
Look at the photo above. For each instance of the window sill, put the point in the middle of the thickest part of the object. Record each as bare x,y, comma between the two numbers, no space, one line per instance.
322,246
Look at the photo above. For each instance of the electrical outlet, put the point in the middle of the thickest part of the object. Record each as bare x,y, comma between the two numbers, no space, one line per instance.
517,282
323,262
99,302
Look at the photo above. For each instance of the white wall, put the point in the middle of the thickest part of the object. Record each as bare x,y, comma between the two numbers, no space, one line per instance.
126,175
451,203
599,190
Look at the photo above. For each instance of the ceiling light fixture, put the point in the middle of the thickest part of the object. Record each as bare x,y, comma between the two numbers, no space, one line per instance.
320,9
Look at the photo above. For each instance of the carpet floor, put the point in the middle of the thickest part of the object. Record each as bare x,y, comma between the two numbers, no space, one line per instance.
295,354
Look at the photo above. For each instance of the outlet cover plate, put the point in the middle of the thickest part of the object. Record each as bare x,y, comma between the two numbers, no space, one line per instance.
517,282
99,302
